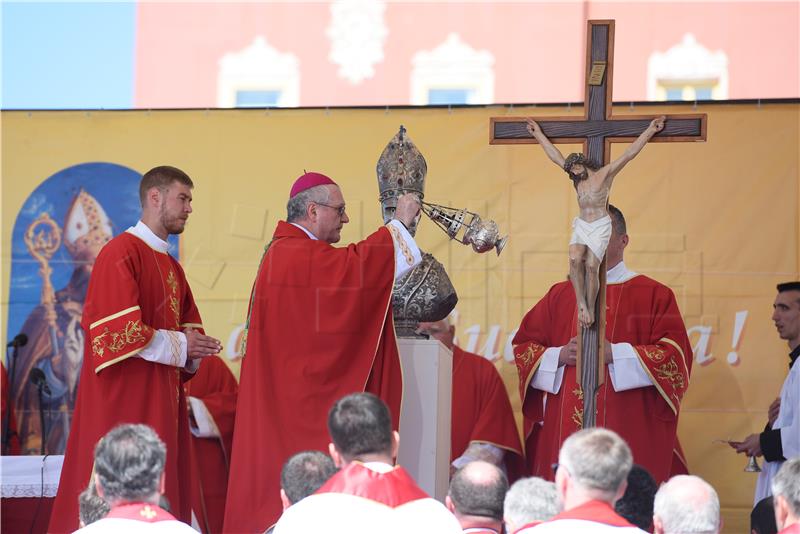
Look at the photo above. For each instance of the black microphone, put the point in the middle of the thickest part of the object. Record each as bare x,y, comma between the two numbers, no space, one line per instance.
19,341
38,379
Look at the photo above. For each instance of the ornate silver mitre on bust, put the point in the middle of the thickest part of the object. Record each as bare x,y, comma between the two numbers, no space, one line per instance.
424,294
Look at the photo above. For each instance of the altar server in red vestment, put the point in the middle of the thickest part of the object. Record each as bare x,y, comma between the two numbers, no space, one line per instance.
369,494
648,359
143,341
212,406
482,422
319,327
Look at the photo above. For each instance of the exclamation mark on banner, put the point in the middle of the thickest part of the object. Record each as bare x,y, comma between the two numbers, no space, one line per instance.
738,326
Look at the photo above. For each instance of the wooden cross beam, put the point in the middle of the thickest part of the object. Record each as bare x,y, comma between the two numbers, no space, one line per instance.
596,130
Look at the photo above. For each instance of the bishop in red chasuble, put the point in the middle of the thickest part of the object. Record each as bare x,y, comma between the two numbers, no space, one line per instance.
141,326
319,327
648,359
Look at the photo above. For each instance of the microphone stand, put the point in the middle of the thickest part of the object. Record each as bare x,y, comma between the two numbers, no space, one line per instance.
40,391
12,367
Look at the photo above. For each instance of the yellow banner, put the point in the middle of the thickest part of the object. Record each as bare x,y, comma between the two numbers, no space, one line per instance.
716,221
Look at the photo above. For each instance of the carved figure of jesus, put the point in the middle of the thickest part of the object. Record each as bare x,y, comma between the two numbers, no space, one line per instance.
591,230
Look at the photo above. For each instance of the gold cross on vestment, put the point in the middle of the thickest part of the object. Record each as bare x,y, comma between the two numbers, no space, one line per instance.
147,512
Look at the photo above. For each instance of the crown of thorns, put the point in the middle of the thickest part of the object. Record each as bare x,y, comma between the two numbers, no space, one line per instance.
579,159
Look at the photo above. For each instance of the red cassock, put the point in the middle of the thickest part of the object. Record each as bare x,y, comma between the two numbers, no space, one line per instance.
481,408
133,291
215,385
641,312
320,327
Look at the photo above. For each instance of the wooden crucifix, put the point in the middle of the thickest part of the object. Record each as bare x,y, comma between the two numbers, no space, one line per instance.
596,130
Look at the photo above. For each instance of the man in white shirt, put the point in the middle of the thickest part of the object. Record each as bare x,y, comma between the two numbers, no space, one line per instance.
780,439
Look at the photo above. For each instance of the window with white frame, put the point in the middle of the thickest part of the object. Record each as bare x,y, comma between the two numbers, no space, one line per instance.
258,76
452,73
687,71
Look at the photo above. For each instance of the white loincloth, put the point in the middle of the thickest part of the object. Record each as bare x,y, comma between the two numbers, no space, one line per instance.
594,235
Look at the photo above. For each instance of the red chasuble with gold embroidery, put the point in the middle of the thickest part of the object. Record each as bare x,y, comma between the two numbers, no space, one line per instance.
320,327
641,312
215,385
481,408
133,291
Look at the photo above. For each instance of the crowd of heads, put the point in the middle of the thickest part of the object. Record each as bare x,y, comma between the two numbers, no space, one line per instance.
594,464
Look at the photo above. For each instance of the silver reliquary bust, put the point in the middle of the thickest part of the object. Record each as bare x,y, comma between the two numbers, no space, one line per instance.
424,294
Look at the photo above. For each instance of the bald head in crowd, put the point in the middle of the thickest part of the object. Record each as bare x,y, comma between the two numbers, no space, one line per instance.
476,495
686,504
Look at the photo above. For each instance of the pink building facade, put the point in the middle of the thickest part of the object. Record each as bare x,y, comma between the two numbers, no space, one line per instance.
370,52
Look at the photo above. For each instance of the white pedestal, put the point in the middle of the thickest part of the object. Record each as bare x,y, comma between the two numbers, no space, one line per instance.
425,417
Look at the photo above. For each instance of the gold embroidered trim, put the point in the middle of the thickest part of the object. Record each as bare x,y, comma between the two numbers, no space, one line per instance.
655,354
172,282
669,371
115,360
191,325
175,347
116,341
577,417
402,244
113,316
672,343
522,361
658,386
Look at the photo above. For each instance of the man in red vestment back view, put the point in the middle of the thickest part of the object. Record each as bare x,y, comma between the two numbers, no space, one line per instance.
319,327
369,494
143,341
648,359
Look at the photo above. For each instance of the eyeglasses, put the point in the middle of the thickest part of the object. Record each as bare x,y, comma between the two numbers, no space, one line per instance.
339,209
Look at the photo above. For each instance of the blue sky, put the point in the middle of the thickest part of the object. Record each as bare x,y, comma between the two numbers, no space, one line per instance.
62,55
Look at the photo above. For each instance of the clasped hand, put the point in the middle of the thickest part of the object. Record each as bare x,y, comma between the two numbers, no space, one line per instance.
569,353
199,345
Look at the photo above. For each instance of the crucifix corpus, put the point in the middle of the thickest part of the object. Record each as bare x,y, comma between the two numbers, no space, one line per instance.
592,174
